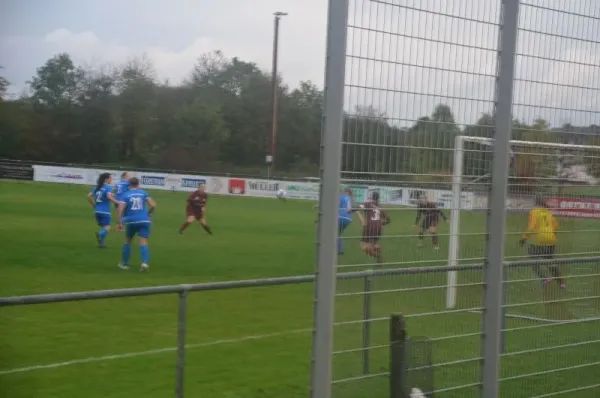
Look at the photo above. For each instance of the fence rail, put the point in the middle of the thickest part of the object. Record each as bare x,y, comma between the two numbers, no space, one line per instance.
368,319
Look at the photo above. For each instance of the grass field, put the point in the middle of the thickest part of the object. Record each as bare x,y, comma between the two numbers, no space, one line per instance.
255,343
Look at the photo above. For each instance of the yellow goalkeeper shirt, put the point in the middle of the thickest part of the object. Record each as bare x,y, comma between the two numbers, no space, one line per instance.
541,227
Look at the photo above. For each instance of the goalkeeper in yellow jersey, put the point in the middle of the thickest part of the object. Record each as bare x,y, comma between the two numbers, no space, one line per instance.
541,234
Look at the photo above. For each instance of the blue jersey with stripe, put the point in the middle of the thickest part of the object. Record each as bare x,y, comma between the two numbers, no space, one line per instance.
136,206
120,188
100,196
345,210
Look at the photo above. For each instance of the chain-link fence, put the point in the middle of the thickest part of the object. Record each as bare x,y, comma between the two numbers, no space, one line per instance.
428,123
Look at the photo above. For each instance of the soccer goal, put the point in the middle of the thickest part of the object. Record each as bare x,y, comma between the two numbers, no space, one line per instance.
567,176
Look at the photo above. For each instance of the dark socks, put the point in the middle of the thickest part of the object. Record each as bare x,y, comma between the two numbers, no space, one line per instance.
184,226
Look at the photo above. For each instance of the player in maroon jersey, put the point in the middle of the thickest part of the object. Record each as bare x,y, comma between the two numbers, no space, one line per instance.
195,209
431,217
373,219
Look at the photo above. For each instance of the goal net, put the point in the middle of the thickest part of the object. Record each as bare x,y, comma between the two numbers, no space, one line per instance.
566,177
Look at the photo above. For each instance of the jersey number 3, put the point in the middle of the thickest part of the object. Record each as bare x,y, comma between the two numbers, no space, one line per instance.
376,215
136,203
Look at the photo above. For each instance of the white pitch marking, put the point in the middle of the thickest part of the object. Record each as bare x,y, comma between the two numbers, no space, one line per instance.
144,353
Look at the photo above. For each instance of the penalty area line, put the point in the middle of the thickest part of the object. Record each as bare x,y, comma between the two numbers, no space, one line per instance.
25,369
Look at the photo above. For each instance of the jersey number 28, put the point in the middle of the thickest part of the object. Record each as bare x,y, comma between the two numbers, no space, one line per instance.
136,203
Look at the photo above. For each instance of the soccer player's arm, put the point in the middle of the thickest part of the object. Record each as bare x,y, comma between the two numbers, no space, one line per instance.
442,215
90,199
120,212
112,198
361,215
190,199
386,217
349,207
204,203
531,226
151,203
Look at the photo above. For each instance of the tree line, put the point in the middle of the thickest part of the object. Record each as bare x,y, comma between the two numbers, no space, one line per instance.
219,120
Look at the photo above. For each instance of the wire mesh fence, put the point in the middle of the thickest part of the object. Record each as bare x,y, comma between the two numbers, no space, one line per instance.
417,73
555,106
420,106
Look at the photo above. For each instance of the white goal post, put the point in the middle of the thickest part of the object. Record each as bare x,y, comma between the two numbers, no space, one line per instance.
554,157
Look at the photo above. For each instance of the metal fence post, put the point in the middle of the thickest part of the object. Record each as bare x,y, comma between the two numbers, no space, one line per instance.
181,329
496,222
331,159
398,351
366,324
504,303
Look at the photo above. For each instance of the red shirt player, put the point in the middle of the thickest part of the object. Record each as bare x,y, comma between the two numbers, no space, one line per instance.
373,219
195,209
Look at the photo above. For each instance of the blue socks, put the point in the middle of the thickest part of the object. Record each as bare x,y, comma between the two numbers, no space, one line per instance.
125,254
145,252
340,246
102,234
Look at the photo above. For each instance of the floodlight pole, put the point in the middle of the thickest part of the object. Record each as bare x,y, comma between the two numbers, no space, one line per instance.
274,95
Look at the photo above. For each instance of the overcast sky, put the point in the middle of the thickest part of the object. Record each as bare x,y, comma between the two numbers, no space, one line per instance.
174,33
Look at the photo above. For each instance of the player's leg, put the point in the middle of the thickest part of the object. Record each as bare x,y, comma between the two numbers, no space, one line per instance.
204,225
422,229
377,252
144,233
103,221
367,248
342,225
189,219
434,235
534,251
130,231
554,269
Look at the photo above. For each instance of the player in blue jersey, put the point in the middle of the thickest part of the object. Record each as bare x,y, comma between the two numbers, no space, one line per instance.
135,209
100,198
344,217
121,187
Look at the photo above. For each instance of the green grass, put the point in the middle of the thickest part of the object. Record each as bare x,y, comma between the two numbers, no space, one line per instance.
47,245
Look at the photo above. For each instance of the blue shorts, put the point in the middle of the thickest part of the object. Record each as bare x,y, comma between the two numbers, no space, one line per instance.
343,224
142,229
102,219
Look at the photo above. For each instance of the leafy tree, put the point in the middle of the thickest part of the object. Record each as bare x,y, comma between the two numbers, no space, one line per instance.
219,120
3,86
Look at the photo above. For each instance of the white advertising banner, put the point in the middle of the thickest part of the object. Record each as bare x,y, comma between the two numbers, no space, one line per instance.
302,190
387,195
263,188
65,175
394,196
443,198
217,185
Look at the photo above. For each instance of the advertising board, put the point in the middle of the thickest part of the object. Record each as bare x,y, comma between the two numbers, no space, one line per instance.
218,185
65,175
16,171
302,190
236,186
263,188
575,207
